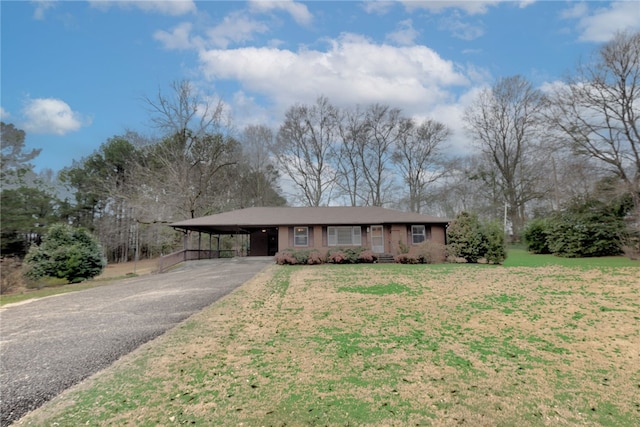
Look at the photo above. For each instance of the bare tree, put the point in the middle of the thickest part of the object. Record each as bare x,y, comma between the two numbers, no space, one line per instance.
597,110
418,157
257,176
505,123
185,110
470,184
303,148
353,134
383,125
186,178
194,150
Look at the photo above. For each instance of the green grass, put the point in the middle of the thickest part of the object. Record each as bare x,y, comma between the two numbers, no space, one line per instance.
517,257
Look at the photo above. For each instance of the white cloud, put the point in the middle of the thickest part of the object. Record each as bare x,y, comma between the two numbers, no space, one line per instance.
41,7
405,35
472,7
236,28
298,11
4,114
460,29
526,3
164,7
248,111
352,71
51,116
379,7
179,38
577,10
601,24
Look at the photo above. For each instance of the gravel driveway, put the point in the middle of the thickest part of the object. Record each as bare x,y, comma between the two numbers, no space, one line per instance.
50,344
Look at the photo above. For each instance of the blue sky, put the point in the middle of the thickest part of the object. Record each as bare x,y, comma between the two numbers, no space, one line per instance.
75,73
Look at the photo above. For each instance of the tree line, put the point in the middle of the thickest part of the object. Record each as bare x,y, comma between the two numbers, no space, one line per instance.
536,153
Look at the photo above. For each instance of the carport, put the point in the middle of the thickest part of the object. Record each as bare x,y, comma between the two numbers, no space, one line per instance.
248,241
250,234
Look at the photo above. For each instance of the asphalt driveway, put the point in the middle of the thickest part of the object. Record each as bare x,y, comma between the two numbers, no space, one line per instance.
50,344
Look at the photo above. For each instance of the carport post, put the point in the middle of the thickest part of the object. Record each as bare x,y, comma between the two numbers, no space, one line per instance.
185,244
210,246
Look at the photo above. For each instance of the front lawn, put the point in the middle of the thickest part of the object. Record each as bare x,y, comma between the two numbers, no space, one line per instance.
387,344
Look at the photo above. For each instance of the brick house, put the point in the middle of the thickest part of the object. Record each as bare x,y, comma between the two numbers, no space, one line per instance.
274,229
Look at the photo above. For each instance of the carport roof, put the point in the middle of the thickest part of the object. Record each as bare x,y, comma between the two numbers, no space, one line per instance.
243,220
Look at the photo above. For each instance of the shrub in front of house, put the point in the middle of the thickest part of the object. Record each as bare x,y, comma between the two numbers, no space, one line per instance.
285,258
430,252
367,257
301,256
406,259
337,256
351,255
315,257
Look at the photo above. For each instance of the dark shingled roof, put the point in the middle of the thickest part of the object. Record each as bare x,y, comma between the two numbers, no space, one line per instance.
244,219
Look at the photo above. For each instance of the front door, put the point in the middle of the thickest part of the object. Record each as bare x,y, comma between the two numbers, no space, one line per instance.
272,242
377,239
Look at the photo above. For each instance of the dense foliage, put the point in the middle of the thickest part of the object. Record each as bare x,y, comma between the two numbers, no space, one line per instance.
584,229
536,235
472,240
25,213
68,253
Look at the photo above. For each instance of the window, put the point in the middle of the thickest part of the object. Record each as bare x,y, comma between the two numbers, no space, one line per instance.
418,234
301,236
344,236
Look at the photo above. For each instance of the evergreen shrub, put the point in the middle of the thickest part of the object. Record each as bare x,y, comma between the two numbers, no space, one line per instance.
472,240
66,253
536,235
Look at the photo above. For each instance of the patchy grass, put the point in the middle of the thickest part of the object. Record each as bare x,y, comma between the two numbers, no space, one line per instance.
400,345
30,294
111,272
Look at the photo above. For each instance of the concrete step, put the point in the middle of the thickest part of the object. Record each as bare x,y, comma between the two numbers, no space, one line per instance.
385,258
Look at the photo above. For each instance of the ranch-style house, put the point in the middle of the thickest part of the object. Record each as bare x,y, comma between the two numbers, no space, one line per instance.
268,230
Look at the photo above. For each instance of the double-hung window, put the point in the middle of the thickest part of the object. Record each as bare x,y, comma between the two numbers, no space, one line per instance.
344,236
301,236
418,234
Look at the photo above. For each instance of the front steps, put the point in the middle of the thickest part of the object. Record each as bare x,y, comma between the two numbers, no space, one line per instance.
385,258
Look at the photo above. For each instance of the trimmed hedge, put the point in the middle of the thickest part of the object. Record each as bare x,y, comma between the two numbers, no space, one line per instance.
334,256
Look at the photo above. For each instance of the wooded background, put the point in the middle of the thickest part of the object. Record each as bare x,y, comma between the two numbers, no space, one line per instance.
536,152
